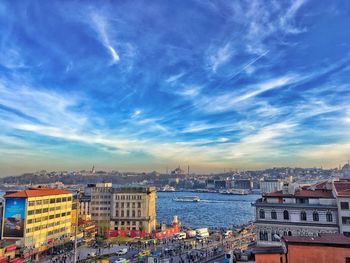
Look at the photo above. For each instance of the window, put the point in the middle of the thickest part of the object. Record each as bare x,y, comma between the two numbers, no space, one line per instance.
347,234
133,213
122,205
31,212
29,221
39,202
329,217
263,236
31,203
116,205
139,205
117,213
261,213
127,213
290,233
303,216
122,213
38,211
274,236
139,213
133,205
285,215
347,260
46,201
344,205
127,204
345,220
51,216
315,216
273,214
45,210
69,198
52,201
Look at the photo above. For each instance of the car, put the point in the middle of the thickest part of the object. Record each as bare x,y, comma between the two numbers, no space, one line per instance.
122,251
121,260
91,254
145,253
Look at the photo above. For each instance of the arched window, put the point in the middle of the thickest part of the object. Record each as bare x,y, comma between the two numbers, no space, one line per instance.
303,216
261,213
285,215
290,233
329,216
273,214
315,216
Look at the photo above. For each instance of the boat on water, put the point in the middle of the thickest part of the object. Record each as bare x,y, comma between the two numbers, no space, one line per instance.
168,188
187,199
234,192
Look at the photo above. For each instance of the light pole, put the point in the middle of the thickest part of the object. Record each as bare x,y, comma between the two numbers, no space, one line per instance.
76,229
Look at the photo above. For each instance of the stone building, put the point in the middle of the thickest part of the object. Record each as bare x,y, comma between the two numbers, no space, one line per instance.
305,211
341,190
133,208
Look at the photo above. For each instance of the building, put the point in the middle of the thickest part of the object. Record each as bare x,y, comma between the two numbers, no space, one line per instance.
305,211
246,184
303,249
37,218
271,185
101,194
341,190
85,205
123,208
133,208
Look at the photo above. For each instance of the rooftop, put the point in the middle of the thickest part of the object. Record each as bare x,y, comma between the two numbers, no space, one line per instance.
342,188
325,239
36,192
320,190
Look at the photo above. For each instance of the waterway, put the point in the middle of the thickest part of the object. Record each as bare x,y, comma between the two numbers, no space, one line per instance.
213,210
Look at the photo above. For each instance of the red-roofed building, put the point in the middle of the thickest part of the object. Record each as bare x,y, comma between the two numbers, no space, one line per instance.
341,189
296,211
302,249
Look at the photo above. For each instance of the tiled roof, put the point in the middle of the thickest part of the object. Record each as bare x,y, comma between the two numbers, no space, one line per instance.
331,239
303,193
342,188
35,192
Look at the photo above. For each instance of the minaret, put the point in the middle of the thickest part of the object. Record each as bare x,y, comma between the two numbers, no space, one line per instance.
93,169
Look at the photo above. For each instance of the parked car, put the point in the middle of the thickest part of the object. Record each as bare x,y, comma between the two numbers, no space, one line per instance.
122,251
121,260
92,254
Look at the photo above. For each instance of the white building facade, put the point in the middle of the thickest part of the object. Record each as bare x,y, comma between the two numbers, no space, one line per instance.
306,211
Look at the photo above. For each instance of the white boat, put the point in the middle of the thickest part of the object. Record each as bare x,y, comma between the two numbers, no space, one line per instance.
234,192
187,199
168,188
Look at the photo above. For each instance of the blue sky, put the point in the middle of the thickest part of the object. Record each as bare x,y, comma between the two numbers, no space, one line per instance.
142,85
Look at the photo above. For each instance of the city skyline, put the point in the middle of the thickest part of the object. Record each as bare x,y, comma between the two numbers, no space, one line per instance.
143,85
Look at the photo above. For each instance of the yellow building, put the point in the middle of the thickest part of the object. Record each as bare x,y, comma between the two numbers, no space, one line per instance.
37,218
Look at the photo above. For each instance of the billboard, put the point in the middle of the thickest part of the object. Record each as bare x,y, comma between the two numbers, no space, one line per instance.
14,217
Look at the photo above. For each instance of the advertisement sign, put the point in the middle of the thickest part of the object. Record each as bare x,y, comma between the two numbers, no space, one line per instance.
14,217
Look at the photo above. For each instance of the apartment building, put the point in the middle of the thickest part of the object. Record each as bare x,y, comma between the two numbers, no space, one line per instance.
101,194
341,190
133,208
37,218
294,211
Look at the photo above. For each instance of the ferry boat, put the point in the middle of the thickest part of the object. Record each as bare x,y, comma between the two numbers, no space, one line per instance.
168,188
234,192
187,199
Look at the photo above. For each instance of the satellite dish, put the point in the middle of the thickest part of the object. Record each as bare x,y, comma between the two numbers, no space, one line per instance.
277,236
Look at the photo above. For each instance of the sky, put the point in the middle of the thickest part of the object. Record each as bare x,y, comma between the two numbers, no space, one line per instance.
145,85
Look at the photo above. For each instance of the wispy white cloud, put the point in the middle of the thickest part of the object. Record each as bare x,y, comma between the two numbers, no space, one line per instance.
229,100
100,25
220,56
